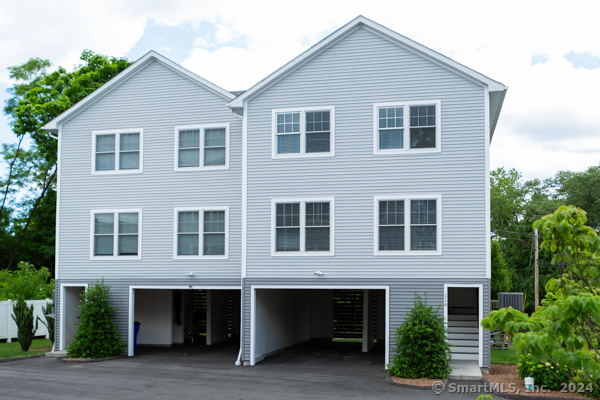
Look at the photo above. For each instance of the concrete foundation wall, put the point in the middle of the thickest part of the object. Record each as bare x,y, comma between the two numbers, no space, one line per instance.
283,318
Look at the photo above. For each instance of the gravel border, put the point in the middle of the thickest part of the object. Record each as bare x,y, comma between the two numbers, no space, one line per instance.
88,360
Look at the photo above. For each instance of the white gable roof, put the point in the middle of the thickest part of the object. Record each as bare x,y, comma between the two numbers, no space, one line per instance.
123,76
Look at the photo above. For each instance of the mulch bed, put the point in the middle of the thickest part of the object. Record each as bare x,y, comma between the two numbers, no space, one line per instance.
507,374
423,382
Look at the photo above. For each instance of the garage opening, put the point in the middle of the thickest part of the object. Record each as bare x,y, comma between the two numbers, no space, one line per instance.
192,321
70,301
319,321
463,322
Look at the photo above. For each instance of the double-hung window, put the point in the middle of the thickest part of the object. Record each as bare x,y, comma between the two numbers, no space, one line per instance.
201,232
408,224
116,234
117,151
202,146
303,132
303,226
412,127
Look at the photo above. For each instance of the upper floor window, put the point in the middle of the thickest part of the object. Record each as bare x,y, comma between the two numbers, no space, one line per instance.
202,146
201,232
303,132
408,224
117,151
116,234
303,227
413,126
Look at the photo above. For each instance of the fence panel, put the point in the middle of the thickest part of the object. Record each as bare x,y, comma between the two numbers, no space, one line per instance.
8,327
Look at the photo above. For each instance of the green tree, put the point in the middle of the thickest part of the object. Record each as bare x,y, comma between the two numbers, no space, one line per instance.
500,277
581,189
27,189
23,317
565,332
421,347
26,283
96,335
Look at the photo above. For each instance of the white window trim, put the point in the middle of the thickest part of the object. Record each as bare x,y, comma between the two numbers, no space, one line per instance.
303,201
117,133
407,224
303,111
201,128
406,140
115,255
200,211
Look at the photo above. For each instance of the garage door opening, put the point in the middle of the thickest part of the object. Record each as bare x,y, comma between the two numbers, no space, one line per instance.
189,320
69,303
323,322
463,315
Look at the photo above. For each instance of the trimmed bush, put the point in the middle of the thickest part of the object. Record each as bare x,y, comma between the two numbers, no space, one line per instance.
422,350
23,317
96,334
543,373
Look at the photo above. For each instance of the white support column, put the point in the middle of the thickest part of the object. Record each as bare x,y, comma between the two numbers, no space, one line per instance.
368,321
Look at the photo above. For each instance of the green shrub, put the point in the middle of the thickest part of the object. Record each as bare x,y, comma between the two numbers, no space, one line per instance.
422,350
23,317
26,282
96,335
47,321
541,372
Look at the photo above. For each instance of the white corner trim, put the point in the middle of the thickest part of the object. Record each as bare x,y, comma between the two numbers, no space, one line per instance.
303,201
480,316
488,226
253,289
115,255
407,224
302,133
244,190
406,127
202,128
57,233
200,211
117,133
62,309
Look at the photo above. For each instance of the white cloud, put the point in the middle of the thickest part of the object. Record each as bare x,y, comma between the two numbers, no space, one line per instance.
550,118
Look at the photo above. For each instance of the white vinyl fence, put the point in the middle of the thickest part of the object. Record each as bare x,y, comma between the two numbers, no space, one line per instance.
8,328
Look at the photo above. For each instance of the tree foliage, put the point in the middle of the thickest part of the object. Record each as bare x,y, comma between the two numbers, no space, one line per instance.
27,206
96,335
27,283
565,332
500,278
421,347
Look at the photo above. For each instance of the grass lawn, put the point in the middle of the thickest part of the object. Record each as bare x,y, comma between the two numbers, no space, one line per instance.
10,350
505,356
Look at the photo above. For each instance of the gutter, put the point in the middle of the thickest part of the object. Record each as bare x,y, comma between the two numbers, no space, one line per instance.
239,359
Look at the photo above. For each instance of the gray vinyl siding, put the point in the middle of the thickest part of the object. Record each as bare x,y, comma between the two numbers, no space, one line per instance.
120,296
156,99
402,292
355,73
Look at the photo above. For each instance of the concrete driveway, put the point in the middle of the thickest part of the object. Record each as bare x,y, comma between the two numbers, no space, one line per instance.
303,372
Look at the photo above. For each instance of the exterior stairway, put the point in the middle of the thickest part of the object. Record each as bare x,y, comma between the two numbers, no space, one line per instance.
463,333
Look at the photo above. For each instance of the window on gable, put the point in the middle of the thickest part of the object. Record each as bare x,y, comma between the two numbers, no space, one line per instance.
407,225
422,127
123,242
202,146
405,127
127,145
303,131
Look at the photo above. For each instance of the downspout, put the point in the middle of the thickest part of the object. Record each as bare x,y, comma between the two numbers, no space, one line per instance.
239,359
52,136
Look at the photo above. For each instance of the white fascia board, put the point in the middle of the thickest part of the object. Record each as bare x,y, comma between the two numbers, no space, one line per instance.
124,75
380,29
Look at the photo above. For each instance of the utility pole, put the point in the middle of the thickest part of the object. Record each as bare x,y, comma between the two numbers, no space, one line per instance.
537,271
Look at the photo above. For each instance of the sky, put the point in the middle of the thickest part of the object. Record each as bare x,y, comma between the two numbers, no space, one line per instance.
546,52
